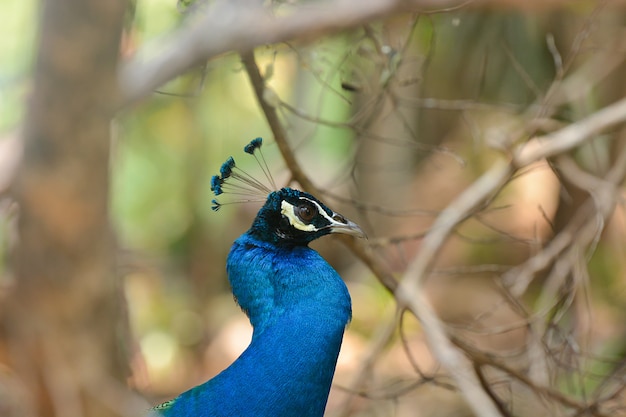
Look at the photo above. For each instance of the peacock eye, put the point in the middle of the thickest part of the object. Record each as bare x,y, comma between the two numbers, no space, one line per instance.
305,212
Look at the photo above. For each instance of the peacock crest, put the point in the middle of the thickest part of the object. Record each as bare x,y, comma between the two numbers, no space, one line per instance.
237,182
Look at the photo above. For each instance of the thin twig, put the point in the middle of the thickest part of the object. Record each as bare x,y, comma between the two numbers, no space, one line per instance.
483,358
381,338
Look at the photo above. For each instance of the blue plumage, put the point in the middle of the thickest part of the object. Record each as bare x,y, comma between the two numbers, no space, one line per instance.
227,168
253,145
298,306
216,185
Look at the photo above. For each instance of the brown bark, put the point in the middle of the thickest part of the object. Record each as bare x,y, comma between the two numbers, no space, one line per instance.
62,320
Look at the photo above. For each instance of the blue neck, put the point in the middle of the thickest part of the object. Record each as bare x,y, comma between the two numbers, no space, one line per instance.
299,307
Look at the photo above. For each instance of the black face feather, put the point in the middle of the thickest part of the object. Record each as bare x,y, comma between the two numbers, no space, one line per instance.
295,218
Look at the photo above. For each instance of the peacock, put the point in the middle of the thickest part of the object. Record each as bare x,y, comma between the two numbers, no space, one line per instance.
296,302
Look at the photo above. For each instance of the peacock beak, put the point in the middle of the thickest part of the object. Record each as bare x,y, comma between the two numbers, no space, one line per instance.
340,224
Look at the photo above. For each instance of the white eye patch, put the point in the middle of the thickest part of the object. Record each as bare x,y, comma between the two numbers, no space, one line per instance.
289,211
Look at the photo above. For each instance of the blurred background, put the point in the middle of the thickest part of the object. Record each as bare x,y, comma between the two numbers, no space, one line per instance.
392,120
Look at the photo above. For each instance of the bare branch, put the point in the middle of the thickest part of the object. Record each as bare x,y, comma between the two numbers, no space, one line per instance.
480,357
572,135
409,292
364,252
272,118
233,26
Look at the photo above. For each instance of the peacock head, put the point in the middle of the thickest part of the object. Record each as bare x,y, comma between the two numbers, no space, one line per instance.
292,217
289,217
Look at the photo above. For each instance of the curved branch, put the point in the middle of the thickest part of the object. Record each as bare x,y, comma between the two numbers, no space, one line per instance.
233,26
359,249
272,119
570,136
450,358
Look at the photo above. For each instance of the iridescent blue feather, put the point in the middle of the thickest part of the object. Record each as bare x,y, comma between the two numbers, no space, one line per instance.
296,302
253,145
216,185
227,168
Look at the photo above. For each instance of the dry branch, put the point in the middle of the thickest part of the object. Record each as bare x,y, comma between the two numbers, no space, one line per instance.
571,136
450,358
242,26
409,291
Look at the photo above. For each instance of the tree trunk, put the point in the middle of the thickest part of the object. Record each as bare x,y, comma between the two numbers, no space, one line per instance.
63,318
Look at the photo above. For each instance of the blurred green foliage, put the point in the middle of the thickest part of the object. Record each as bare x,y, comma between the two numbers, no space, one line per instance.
16,55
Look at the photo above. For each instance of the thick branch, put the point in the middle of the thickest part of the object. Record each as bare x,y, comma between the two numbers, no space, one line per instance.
233,26
571,136
275,125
